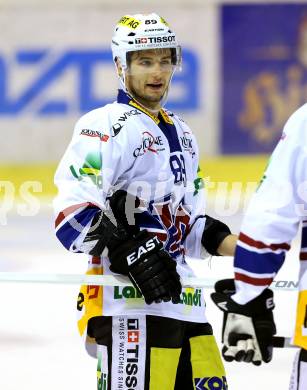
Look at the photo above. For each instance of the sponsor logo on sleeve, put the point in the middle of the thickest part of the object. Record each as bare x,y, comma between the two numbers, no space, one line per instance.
90,170
95,134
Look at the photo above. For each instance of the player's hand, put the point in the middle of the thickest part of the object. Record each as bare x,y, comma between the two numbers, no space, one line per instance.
247,329
151,269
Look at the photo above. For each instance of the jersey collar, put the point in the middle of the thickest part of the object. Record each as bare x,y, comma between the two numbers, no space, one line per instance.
124,98
163,121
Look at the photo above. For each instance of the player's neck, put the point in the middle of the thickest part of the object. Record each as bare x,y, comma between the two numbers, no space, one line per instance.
151,107
153,110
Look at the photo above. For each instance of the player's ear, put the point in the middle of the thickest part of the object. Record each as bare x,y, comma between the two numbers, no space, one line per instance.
119,67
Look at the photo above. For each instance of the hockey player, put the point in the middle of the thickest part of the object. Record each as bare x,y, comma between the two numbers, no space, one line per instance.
271,222
130,197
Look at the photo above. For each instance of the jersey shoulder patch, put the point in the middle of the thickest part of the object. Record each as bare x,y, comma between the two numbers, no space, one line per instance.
119,116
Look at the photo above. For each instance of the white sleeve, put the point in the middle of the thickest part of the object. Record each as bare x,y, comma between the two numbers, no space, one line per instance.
273,214
89,171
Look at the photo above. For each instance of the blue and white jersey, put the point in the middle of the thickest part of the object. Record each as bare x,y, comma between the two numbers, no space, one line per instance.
124,146
272,220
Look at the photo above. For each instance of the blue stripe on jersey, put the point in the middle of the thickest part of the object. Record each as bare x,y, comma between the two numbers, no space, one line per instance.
170,132
70,231
259,263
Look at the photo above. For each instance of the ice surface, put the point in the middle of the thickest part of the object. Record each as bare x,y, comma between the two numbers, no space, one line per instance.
39,344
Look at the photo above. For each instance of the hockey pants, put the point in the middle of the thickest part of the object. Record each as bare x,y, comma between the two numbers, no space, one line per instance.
156,353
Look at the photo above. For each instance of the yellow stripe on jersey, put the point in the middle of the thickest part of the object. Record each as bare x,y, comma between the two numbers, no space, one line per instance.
300,335
154,118
166,118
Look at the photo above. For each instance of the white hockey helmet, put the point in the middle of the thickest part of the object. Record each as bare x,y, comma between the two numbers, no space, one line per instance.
142,32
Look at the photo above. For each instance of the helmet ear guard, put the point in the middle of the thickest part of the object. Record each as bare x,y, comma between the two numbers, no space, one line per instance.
120,73
177,57
119,66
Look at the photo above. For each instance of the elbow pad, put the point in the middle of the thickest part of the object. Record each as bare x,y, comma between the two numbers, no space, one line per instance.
214,233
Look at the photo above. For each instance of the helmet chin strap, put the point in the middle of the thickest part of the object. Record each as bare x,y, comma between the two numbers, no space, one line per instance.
122,84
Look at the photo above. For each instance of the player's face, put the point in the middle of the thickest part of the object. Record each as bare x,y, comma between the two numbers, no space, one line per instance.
148,76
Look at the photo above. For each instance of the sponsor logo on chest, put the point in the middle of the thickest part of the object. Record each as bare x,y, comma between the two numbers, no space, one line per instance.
116,128
187,143
149,144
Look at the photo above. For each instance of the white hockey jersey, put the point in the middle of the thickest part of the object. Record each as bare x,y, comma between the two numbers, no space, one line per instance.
272,220
124,146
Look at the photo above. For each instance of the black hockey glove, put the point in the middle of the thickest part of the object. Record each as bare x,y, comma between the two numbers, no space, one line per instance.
214,233
248,329
149,267
135,254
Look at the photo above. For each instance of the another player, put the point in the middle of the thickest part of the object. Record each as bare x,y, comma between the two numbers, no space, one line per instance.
130,197
271,222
